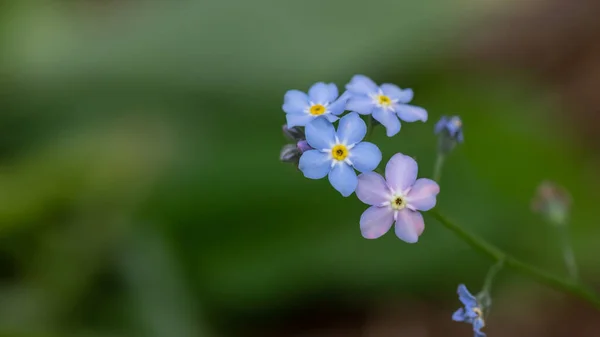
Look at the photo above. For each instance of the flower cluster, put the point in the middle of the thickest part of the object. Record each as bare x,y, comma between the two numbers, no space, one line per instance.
323,149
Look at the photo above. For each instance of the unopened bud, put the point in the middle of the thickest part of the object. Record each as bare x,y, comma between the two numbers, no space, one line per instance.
303,146
450,133
553,202
294,133
289,154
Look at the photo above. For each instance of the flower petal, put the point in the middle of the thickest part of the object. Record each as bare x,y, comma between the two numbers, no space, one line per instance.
394,92
388,119
319,93
459,315
362,104
333,92
376,221
440,125
466,298
343,178
477,325
361,84
331,118
352,129
298,120
409,225
365,156
422,195
460,137
410,113
401,172
295,102
314,164
337,107
372,189
320,133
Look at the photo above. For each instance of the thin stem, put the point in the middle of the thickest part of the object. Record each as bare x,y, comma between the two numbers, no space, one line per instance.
439,163
485,296
567,250
525,269
491,274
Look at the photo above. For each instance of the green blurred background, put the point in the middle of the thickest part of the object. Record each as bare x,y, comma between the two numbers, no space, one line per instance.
141,192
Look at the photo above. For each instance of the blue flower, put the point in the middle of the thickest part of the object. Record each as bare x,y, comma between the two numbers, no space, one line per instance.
322,100
451,125
472,313
386,103
337,153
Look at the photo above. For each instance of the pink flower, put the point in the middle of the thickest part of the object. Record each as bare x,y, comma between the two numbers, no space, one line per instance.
397,198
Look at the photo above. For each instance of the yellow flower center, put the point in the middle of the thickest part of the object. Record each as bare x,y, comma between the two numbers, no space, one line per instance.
339,152
398,203
317,109
384,100
478,311
457,122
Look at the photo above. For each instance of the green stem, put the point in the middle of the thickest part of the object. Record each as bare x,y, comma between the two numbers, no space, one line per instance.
437,170
489,278
567,250
510,262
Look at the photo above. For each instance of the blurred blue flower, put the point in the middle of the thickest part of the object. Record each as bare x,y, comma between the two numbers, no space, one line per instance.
386,103
451,125
397,198
335,153
472,313
322,100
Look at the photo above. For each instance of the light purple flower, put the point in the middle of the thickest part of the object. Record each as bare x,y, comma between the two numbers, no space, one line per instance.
322,100
337,154
397,198
387,103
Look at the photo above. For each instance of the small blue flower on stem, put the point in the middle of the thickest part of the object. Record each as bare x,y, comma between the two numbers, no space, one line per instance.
451,125
472,313
337,153
322,100
386,103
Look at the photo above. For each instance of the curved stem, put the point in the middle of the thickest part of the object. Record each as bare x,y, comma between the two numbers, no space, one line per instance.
510,262
567,250
489,278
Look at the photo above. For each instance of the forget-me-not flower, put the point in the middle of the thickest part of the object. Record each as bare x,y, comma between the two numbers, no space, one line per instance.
386,103
452,125
336,153
322,100
472,313
397,198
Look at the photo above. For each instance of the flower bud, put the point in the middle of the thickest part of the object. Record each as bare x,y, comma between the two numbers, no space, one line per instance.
294,133
303,146
290,154
553,202
450,133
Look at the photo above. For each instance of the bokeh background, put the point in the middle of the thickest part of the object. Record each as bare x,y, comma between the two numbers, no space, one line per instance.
141,192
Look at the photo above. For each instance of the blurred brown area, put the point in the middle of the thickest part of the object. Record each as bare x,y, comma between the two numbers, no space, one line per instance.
559,40
553,316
